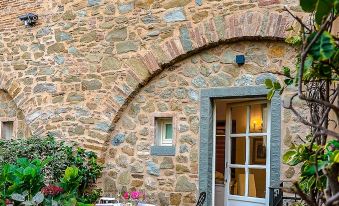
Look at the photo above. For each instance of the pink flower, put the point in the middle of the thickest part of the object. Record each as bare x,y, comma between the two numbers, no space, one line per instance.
135,195
126,195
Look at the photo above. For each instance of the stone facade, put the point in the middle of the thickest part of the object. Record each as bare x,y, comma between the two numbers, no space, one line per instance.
9,112
174,180
94,72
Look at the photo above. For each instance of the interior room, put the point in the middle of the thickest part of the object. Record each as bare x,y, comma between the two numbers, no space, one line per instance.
238,123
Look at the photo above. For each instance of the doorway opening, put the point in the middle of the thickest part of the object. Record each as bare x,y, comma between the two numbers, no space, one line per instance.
241,152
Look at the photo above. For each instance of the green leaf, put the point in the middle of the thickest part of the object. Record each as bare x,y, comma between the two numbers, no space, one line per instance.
270,94
268,83
308,5
323,48
276,86
336,6
324,8
291,158
18,197
288,81
294,40
287,71
38,198
336,158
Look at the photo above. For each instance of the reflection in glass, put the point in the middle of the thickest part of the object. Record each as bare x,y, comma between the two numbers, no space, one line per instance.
238,116
237,184
258,118
238,150
258,150
257,183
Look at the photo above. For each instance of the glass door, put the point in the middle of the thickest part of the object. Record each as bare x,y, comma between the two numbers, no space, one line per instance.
247,168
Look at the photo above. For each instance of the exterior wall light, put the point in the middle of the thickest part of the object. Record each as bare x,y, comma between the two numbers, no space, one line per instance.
240,59
29,19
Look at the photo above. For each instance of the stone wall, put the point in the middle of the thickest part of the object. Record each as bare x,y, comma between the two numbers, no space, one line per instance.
9,112
174,180
86,71
75,71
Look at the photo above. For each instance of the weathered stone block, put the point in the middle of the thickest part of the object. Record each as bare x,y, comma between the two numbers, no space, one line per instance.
184,185
117,35
175,15
153,169
93,84
45,87
127,46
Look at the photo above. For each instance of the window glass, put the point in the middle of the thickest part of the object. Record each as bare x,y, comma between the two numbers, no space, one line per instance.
7,130
164,131
258,150
169,131
257,183
237,184
238,116
238,150
258,118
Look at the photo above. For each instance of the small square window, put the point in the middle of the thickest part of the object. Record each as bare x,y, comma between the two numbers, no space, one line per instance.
164,131
7,129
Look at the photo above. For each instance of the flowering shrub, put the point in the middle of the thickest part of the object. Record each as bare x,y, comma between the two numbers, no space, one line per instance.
51,190
135,195
126,196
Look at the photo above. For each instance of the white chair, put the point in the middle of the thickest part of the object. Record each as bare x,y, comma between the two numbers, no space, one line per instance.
108,201
144,204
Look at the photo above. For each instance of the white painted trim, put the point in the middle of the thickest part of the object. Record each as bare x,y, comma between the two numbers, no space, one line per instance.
247,135
214,149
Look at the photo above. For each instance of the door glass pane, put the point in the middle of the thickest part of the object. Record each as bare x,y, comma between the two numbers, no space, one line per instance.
258,150
238,150
237,184
238,116
257,183
258,118
169,131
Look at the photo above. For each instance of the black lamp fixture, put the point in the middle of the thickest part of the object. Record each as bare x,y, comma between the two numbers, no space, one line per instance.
240,59
29,19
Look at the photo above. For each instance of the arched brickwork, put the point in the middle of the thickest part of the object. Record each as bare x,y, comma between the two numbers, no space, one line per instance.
141,68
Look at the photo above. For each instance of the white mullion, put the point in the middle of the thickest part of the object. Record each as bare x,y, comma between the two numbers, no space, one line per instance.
228,153
257,166
247,148
249,134
214,150
237,166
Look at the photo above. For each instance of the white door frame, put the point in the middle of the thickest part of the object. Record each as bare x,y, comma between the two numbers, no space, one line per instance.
245,198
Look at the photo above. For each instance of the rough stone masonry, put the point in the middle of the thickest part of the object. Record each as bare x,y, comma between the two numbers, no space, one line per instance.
94,72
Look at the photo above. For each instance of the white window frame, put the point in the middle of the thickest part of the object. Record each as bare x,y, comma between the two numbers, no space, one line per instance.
247,166
15,125
161,123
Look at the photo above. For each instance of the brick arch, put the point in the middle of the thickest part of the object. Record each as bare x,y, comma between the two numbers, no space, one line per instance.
191,39
10,85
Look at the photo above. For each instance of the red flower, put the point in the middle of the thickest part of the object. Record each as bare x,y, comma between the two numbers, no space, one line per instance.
135,195
126,195
51,190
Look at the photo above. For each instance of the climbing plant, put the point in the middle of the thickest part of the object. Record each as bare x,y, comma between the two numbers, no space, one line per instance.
316,79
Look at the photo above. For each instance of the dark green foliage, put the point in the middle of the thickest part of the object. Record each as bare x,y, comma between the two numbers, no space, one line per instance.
27,165
327,156
40,148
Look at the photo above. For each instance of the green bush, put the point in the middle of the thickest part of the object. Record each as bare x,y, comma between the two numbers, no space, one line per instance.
43,161
37,148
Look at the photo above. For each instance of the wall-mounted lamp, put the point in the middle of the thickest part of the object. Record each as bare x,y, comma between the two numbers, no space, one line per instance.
29,19
240,59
